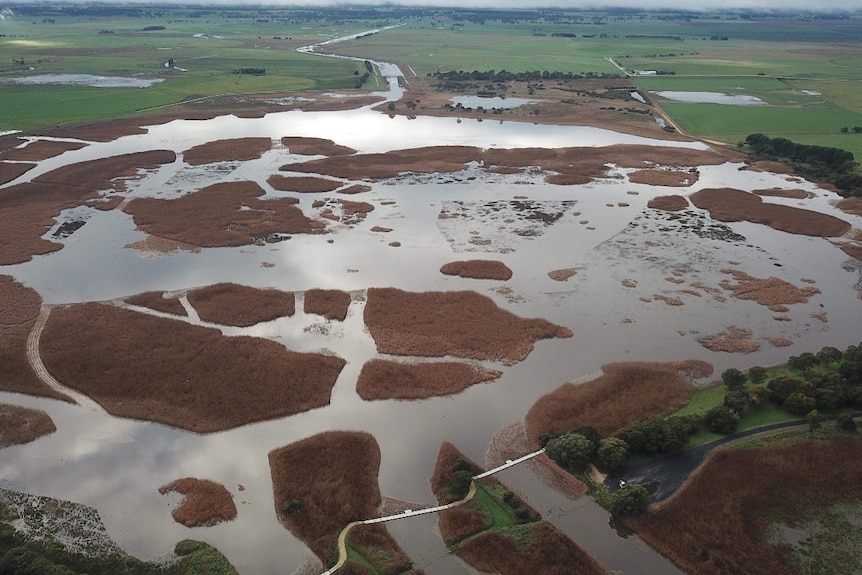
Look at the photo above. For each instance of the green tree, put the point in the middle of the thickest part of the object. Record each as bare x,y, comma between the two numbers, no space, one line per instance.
733,379
757,374
613,452
738,401
814,420
846,422
631,500
829,354
799,403
571,451
720,419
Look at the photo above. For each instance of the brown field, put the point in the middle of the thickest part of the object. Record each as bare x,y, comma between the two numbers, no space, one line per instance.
377,546
28,210
39,150
478,269
730,205
9,172
156,300
563,274
717,523
668,178
213,216
462,324
235,150
20,425
19,307
382,379
623,394
241,306
851,206
731,340
157,369
315,146
206,502
302,184
329,303
780,193
668,203
334,475
766,291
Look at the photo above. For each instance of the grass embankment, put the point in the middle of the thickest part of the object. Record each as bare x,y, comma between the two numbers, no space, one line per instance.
222,215
496,531
28,210
478,269
329,303
236,150
724,520
382,379
326,481
462,324
22,425
205,502
157,369
241,306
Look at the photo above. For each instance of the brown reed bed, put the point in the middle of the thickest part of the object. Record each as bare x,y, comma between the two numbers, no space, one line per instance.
795,194
622,394
730,205
315,146
206,502
379,548
382,379
227,214
667,178
329,303
671,203
562,274
10,171
39,150
19,307
27,210
157,369
717,524
478,269
241,306
462,324
852,250
766,291
851,206
19,425
355,189
731,339
303,184
231,150
332,479
157,301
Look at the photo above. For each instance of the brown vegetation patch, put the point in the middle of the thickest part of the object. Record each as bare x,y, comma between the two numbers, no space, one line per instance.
156,246
19,307
10,171
782,193
623,394
315,146
692,368
851,206
852,250
302,184
730,205
157,369
669,300
388,165
333,477
718,523
395,244
462,324
478,269
779,308
355,189
107,203
779,341
156,300
235,150
562,274
380,549
241,306
20,425
330,303
381,379
39,150
668,203
669,178
766,291
205,503
629,283
222,215
731,340
381,229
27,210
771,166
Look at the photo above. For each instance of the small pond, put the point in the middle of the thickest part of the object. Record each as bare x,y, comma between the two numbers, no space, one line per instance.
711,98
490,103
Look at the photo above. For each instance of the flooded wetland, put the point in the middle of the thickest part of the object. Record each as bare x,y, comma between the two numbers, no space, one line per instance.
224,288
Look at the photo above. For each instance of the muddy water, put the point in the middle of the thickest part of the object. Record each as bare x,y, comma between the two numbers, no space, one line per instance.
606,233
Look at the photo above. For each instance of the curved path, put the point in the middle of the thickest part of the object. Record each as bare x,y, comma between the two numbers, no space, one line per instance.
39,367
342,537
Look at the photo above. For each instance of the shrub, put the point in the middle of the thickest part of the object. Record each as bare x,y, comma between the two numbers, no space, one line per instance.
757,374
613,452
631,500
292,506
571,451
459,484
733,379
720,419
846,422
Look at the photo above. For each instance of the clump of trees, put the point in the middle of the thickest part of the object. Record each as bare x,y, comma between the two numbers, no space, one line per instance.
251,71
506,76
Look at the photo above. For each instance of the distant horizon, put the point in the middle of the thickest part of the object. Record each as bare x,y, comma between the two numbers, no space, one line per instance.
683,6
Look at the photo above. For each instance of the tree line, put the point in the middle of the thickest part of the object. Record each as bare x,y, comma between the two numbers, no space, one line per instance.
506,76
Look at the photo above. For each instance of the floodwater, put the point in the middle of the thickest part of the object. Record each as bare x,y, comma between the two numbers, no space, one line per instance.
711,98
491,102
607,233
82,80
